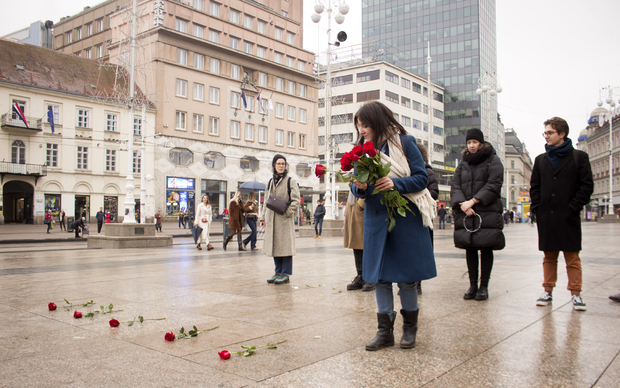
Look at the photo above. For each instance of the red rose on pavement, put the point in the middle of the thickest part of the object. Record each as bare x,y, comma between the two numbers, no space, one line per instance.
346,163
114,323
51,306
224,354
358,150
319,170
369,149
170,336
77,314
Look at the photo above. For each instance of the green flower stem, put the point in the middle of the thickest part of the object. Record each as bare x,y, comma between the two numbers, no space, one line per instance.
249,350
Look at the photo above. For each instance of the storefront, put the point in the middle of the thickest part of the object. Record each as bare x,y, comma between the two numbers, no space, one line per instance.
82,207
52,202
216,191
180,195
110,204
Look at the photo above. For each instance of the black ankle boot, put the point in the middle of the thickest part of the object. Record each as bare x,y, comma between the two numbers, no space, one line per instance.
240,241
385,334
471,293
410,328
483,293
227,240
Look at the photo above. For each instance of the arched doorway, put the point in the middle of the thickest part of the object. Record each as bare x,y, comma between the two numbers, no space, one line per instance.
17,202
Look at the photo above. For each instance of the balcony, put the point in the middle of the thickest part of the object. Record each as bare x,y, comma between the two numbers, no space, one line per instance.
10,122
35,170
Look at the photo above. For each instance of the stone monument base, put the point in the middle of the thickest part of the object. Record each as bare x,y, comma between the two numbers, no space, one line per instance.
120,236
331,228
608,219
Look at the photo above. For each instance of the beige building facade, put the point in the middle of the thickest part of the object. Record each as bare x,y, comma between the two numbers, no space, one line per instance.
518,172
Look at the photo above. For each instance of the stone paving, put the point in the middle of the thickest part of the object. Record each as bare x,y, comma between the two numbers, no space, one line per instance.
506,341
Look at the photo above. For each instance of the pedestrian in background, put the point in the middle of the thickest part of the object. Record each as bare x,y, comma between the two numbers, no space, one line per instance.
405,254
251,212
182,218
48,220
354,239
442,217
319,213
476,201
99,216
279,241
204,216
157,221
561,185
236,221
62,221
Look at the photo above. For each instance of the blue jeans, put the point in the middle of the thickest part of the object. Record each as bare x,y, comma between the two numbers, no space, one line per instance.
252,236
318,226
284,265
442,220
385,297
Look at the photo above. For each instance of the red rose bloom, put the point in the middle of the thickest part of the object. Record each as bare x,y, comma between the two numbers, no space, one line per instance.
51,306
357,150
170,336
346,163
114,323
319,170
224,354
354,157
369,149
77,314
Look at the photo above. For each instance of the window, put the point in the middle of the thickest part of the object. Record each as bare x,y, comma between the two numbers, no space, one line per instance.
261,52
99,25
368,76
234,129
367,96
215,160
437,97
111,122
262,27
291,113
214,126
99,51
250,103
279,110
279,137
302,115
264,105
87,53
302,90
110,160
214,95
180,120
438,113
182,57
405,83
249,132
181,156
199,31
291,87
51,155
279,33
284,13
234,16
248,48
417,124
215,66
55,111
392,97
262,79
89,29
512,164
214,9
235,71
18,152
198,123
181,88
247,21
235,100
199,5
262,134
279,84
181,25
302,141
416,87
199,91
290,37
137,162
301,66
290,61
417,106
69,37
391,77
234,43
82,157
277,57
249,164
83,118
214,36
404,101
405,121
78,33
291,139
137,126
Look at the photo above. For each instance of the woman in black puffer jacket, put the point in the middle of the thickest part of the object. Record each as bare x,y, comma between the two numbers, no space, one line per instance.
475,198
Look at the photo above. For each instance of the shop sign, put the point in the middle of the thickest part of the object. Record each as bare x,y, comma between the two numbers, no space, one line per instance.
180,183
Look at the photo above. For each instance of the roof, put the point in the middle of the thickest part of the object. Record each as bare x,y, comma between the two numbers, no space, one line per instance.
43,68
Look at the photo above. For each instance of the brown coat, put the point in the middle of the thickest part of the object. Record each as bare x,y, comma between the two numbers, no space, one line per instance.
354,225
236,220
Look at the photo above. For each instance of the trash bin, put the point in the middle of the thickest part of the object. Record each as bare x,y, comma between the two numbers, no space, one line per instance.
70,221
227,231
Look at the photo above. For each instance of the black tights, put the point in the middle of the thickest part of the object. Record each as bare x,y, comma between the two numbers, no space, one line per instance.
358,254
486,265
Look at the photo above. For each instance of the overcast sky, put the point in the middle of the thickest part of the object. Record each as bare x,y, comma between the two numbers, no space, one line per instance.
554,56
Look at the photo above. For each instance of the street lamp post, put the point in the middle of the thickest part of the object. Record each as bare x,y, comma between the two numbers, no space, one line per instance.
489,85
330,184
613,110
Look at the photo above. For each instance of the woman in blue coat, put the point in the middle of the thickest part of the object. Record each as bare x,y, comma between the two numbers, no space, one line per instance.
405,254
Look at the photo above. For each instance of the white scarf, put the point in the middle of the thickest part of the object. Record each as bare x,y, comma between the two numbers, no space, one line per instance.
400,168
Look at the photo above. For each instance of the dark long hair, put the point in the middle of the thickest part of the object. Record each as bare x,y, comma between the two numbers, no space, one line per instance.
381,119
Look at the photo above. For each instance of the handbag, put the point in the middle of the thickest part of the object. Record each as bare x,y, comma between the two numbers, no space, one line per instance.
204,220
277,204
46,221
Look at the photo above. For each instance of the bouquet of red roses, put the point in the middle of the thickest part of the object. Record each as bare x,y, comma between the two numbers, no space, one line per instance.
368,167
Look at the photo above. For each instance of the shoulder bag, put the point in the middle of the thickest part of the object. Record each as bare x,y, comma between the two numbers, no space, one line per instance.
278,204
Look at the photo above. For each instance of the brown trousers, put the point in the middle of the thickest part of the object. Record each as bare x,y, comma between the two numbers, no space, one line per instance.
573,270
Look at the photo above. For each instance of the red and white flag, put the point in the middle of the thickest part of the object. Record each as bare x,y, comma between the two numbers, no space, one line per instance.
18,112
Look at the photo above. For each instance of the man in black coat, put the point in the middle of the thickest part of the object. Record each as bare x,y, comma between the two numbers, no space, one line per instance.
561,185
100,215
319,213
442,216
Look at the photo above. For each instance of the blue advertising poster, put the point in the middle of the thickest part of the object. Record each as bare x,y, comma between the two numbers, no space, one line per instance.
180,183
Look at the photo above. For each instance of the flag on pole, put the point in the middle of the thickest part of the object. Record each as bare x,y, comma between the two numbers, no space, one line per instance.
18,112
260,102
245,103
50,118
270,105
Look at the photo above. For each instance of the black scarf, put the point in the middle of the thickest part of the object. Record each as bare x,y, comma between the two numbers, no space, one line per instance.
277,177
480,156
556,153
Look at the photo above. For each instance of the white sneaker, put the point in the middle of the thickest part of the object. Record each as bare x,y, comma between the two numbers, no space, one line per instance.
578,303
545,299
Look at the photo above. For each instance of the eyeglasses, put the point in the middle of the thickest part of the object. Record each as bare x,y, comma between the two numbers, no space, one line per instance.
548,133
280,164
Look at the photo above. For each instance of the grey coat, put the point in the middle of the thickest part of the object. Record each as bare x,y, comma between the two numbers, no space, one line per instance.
280,229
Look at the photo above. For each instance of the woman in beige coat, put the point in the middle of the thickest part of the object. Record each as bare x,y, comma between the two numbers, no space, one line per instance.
354,239
204,215
279,240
